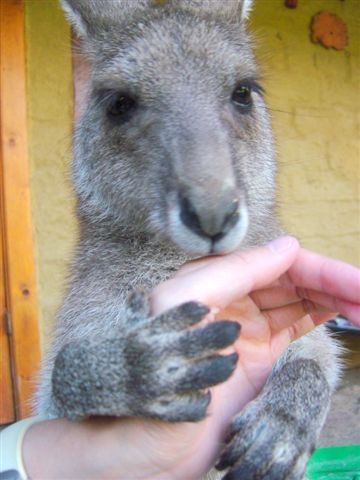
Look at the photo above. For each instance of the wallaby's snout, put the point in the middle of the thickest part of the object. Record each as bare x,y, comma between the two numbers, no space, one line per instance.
208,222
207,212
204,224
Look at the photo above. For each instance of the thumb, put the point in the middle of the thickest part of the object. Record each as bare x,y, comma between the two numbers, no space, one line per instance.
223,280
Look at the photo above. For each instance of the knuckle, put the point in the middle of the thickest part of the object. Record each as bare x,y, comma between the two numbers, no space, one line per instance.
308,306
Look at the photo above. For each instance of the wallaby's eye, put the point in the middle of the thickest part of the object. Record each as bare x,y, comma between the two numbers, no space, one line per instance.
242,97
121,107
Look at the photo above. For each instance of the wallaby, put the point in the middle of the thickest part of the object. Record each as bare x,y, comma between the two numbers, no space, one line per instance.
174,159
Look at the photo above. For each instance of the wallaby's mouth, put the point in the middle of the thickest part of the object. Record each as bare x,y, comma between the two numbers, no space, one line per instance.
203,229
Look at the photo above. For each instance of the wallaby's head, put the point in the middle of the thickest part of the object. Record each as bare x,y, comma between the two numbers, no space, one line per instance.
175,138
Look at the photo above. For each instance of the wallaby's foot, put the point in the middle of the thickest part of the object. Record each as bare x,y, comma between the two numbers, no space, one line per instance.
265,448
159,369
274,436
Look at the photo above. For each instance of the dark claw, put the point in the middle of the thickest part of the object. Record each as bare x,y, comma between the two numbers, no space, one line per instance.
139,304
197,411
182,316
214,336
239,474
229,436
193,309
278,470
227,459
238,446
254,466
206,373
187,408
203,406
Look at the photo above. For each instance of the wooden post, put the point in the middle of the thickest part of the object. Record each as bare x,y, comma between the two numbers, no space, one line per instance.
18,255
7,411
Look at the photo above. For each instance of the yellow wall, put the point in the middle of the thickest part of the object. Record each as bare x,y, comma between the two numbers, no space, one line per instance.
49,103
313,94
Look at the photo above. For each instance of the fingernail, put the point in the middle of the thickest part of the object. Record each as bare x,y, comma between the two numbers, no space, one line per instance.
281,244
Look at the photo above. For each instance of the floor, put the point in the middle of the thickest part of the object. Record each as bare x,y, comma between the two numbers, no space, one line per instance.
343,422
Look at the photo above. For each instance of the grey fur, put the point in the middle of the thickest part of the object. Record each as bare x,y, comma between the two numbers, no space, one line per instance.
181,61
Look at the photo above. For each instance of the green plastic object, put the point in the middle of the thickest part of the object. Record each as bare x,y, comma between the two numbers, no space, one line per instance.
335,463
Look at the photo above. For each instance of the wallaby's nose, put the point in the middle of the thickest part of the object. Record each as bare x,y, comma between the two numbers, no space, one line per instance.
206,221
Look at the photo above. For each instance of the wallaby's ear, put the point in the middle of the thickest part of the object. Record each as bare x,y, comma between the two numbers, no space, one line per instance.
230,9
75,12
246,8
90,17
234,10
87,16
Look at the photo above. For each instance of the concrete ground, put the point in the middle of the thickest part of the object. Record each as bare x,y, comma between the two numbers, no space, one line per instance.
343,422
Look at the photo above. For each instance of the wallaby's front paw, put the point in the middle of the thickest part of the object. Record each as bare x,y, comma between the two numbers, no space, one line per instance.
275,434
171,365
159,369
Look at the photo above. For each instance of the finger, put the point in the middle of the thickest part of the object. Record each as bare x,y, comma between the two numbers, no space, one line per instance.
228,278
322,317
275,296
333,277
308,323
350,310
284,317
195,265
301,327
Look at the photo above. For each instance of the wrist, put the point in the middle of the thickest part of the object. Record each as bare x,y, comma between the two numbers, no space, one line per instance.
12,438
91,449
56,449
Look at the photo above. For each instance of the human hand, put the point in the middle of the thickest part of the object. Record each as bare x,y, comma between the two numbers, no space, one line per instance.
271,315
264,291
